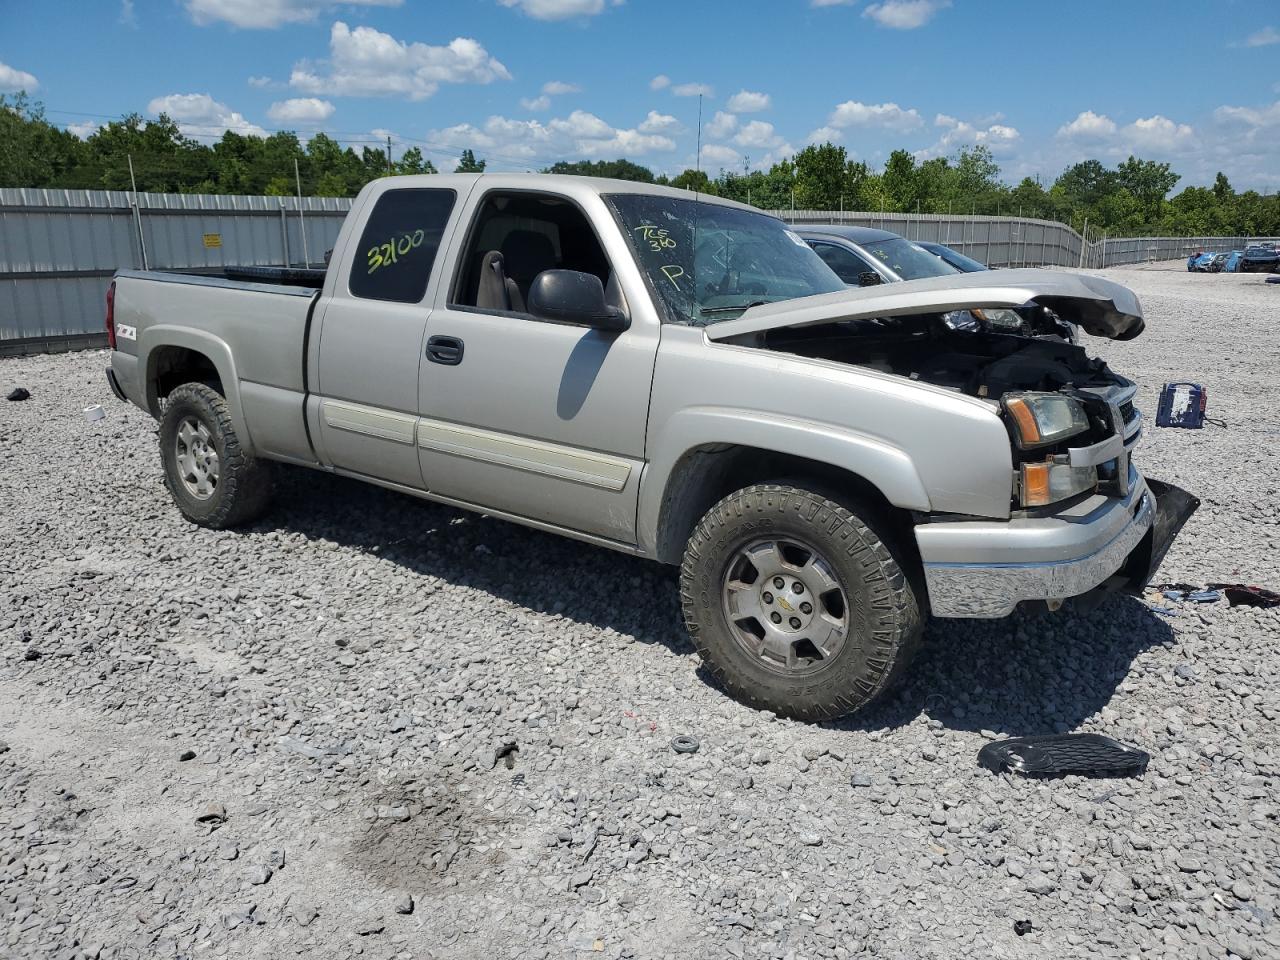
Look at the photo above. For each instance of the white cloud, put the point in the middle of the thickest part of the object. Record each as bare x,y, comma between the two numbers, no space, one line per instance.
268,14
999,138
1250,117
558,88
532,143
890,116
84,130
722,125
660,82
260,82
716,156
832,3
301,110
1263,38
657,122
693,90
557,9
366,62
746,101
127,15
12,80
758,133
904,14
1088,126
825,134
1159,133
199,115
537,104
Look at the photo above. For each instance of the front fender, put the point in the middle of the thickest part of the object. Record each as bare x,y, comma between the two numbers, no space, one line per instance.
886,467
153,338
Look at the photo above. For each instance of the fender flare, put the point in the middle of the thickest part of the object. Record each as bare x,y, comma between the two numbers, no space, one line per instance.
154,338
885,466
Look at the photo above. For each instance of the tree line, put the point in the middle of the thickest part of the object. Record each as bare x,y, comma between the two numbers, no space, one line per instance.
1131,199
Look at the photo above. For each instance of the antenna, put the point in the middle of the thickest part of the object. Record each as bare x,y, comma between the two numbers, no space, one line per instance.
388,154
698,160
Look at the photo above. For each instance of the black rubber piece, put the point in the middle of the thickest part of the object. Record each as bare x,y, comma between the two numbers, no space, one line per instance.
1082,754
684,744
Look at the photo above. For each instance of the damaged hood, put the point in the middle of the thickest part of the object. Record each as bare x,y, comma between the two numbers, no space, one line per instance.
1097,306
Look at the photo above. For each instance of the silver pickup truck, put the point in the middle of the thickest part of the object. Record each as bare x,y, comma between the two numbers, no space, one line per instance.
681,378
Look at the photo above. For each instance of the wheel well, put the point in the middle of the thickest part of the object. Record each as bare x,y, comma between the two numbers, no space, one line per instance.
706,475
174,366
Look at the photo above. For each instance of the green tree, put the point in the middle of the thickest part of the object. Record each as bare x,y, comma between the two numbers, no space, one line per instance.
695,180
469,164
619,169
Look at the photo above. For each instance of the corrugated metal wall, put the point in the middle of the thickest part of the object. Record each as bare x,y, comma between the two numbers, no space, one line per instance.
58,247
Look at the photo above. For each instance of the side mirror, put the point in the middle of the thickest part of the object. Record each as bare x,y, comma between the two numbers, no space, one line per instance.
568,296
869,279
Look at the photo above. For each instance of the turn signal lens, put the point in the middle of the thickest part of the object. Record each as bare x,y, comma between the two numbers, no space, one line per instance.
1053,480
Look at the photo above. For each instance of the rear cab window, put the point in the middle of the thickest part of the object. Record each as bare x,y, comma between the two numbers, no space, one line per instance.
399,244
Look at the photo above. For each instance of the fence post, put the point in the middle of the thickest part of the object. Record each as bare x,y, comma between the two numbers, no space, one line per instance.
284,233
1084,238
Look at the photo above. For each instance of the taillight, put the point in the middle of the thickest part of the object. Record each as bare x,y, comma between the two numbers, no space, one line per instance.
111,315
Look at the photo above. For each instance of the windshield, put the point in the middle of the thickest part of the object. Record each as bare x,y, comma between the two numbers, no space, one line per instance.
907,260
710,262
956,259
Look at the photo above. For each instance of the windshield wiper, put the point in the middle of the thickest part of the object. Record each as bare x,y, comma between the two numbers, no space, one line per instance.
712,311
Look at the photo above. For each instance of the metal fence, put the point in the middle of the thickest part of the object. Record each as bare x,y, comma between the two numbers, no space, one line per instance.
58,247
1022,242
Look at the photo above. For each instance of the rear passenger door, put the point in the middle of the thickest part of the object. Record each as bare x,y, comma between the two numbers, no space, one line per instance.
537,419
371,333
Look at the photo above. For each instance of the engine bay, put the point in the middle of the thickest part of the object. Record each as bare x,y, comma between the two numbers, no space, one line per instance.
976,361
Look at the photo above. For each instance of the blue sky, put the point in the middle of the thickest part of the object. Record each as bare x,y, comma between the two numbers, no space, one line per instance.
528,82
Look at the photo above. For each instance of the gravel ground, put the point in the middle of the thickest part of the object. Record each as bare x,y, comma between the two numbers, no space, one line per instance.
297,739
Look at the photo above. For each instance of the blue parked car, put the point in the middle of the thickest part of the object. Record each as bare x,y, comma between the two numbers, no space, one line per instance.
1199,262
954,257
1233,262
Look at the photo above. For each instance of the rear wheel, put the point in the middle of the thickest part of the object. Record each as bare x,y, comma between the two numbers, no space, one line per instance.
211,479
796,603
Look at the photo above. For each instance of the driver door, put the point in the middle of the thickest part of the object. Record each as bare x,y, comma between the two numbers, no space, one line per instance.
541,420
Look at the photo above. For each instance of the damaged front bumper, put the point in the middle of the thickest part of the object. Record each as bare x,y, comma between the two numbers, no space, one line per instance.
986,568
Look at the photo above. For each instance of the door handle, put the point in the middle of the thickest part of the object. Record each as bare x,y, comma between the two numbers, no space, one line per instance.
446,350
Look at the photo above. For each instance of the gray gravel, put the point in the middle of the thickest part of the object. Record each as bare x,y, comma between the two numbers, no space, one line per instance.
296,739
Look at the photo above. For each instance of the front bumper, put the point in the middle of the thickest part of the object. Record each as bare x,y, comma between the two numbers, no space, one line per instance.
986,568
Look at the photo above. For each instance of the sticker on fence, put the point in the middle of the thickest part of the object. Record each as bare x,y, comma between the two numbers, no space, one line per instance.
212,240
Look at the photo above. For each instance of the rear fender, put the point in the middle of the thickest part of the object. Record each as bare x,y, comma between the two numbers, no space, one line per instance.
154,338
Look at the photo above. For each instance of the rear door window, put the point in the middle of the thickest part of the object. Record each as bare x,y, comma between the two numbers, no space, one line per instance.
848,266
399,244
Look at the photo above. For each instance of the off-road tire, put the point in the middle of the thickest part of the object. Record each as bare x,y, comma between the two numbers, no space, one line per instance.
243,490
885,618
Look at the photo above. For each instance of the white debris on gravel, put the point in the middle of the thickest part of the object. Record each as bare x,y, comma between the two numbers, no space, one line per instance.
295,739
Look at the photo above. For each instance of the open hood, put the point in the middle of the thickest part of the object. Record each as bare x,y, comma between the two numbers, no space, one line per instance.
1098,306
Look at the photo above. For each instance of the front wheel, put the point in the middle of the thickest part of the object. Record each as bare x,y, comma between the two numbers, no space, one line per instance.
212,480
796,603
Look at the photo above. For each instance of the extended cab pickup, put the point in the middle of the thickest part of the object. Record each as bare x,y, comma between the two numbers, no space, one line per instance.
682,378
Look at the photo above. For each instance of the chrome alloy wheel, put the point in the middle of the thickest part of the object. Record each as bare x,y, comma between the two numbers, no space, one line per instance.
785,605
197,458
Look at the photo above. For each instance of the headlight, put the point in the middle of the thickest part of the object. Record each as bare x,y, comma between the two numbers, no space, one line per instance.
1040,419
1000,319
1053,480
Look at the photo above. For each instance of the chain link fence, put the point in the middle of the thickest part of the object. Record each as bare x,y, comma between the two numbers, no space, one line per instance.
59,247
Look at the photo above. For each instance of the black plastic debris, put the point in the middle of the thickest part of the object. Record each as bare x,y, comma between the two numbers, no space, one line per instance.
1022,927
1082,754
684,744
19,393
506,752
1193,596
1243,595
